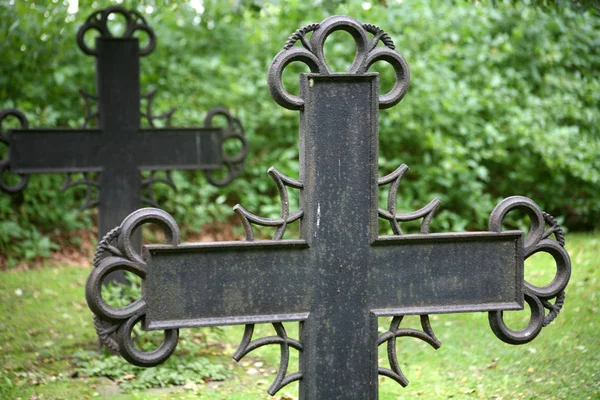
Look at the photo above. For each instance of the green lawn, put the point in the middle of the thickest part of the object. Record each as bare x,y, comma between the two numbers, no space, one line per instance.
47,345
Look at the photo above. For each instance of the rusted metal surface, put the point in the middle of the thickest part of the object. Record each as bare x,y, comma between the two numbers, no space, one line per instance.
340,275
119,147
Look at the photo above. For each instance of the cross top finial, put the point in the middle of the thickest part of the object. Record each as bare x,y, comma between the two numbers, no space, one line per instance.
311,53
99,21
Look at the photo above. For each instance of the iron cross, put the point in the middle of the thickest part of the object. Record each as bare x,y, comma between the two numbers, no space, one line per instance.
340,276
119,149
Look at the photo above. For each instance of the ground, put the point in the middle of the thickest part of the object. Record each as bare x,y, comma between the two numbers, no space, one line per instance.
48,348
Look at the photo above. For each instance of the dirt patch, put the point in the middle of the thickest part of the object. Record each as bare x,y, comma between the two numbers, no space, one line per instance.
74,250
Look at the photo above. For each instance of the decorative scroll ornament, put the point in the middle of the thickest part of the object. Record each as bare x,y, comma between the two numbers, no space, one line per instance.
99,22
285,218
426,212
312,54
154,177
234,131
148,112
89,180
6,140
89,114
427,335
114,325
538,298
105,329
394,332
117,252
247,345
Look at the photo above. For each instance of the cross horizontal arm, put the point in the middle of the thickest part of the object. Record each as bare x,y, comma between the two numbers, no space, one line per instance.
226,283
179,148
55,150
451,272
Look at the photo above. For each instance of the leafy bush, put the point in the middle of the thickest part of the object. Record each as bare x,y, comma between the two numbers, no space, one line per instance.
503,100
190,369
193,368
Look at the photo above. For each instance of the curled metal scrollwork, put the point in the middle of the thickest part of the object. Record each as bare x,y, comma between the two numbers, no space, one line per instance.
312,54
89,114
426,212
152,118
247,345
285,218
116,251
233,131
98,21
153,176
90,182
427,335
5,162
150,180
538,298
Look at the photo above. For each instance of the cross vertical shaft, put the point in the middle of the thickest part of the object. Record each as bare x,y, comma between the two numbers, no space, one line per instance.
338,142
118,86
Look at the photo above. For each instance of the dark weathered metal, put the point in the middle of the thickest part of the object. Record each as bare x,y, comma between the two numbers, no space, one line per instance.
340,276
119,148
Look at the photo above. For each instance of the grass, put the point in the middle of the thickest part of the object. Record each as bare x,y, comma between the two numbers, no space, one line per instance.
47,341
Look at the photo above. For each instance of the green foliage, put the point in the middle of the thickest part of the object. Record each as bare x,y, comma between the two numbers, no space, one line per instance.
189,369
503,100
119,295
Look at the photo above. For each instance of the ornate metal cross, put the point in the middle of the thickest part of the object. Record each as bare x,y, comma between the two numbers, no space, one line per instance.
340,276
119,148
